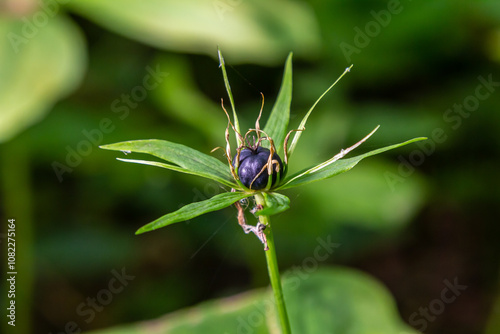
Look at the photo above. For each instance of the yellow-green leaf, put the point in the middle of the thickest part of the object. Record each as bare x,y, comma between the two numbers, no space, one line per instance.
257,31
38,66
324,300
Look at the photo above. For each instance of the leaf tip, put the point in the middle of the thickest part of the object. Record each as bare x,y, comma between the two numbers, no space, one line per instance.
371,133
142,230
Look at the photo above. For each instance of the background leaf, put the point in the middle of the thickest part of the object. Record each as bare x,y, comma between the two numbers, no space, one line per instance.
337,167
36,72
194,210
194,161
198,26
334,300
341,300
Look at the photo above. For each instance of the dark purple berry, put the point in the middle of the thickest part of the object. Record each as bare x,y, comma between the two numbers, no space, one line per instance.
251,163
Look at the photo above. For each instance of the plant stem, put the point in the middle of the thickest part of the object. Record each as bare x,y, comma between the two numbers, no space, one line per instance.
274,274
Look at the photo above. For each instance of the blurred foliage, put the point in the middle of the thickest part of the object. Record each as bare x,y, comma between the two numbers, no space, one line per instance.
362,304
76,224
254,31
36,73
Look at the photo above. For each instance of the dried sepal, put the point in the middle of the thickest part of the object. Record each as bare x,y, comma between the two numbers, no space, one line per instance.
237,133
257,124
228,154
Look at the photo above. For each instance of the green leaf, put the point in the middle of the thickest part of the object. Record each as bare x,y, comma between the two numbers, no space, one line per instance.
178,169
36,71
194,210
277,124
275,203
236,122
325,300
191,160
302,125
335,168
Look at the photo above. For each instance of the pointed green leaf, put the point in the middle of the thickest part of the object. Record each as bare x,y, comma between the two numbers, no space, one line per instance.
194,210
304,120
335,168
192,161
277,124
236,122
275,203
179,169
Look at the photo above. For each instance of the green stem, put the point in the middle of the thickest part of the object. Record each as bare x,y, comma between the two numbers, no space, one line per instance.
274,274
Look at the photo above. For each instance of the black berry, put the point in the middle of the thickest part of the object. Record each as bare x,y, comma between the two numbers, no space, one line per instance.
251,163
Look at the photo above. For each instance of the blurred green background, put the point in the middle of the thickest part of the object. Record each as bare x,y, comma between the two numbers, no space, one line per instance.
77,74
